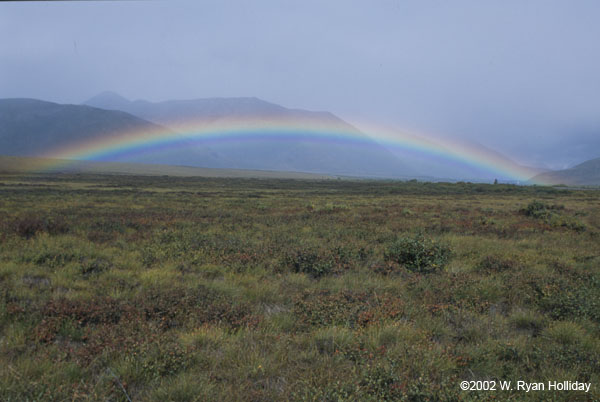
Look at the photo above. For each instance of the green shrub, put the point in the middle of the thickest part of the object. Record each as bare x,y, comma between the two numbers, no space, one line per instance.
310,262
566,222
582,301
539,210
418,254
29,225
536,209
383,383
550,215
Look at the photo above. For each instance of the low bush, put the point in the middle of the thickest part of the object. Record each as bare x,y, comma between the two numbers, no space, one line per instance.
568,222
310,262
539,210
418,254
580,302
28,226
550,215
345,309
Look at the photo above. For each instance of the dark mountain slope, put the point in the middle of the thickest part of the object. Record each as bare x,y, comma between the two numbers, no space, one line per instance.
584,174
178,113
335,156
30,127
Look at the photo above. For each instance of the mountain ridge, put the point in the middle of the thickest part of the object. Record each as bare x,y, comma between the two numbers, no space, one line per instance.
584,174
171,112
23,123
307,156
32,127
221,111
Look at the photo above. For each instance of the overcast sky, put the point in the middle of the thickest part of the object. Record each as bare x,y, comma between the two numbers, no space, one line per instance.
506,73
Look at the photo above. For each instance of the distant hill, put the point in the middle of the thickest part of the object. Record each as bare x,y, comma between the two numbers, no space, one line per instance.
584,174
177,114
30,127
368,161
336,157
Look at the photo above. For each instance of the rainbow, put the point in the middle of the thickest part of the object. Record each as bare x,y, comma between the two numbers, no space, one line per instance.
120,145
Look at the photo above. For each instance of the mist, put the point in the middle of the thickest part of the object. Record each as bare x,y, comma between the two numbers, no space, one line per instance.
518,77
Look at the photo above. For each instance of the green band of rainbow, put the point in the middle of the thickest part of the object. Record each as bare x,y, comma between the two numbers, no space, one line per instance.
119,145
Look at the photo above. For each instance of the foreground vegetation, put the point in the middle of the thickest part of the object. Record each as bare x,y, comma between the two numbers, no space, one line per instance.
157,288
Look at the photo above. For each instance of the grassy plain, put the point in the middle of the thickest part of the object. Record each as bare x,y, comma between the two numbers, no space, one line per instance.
162,288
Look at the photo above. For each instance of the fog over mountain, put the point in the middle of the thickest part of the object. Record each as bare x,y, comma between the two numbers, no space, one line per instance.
178,114
586,173
373,160
33,128
307,156
30,127
517,77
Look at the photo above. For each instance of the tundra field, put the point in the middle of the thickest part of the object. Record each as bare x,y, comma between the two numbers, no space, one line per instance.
165,288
